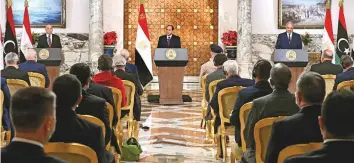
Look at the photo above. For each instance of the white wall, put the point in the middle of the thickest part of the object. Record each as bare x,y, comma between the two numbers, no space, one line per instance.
113,19
227,17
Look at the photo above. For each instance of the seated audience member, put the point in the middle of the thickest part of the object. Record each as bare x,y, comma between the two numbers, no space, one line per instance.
348,74
31,65
261,73
130,68
209,66
6,124
119,67
106,78
336,124
91,104
12,71
219,73
302,127
279,103
70,128
33,117
326,66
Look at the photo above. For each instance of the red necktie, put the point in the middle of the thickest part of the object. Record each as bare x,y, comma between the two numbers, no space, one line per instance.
49,41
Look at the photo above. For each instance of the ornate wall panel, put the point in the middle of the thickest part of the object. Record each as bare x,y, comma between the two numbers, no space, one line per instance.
195,21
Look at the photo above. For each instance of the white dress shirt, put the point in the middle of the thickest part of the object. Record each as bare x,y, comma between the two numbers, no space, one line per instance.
16,139
169,37
51,37
334,140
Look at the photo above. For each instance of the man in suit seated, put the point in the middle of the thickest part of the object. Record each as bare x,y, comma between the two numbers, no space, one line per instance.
336,124
70,128
12,71
326,66
6,124
279,103
33,116
289,39
130,68
261,73
302,127
348,74
31,65
209,66
91,104
219,73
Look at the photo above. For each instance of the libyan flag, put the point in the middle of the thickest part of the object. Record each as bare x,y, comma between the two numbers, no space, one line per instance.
10,41
143,57
342,47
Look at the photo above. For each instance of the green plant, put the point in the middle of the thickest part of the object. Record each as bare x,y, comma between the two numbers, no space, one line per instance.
35,37
306,39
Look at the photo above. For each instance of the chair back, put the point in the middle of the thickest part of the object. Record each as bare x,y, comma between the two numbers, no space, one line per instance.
15,84
329,79
110,111
117,97
130,92
345,84
94,120
36,79
297,149
226,100
262,131
71,152
245,109
212,88
202,84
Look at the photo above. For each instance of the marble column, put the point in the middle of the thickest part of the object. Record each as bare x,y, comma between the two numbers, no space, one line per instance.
96,32
244,44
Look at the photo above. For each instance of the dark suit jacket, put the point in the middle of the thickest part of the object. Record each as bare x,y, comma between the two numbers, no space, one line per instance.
233,80
175,42
283,41
138,89
216,75
344,76
95,106
21,152
131,68
246,95
331,152
278,103
32,66
299,128
327,67
6,106
14,73
72,129
43,43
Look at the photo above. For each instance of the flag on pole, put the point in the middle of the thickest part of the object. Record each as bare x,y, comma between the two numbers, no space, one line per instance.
26,39
342,47
328,37
10,41
143,59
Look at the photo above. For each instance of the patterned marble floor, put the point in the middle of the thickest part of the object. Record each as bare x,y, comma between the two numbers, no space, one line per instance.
175,135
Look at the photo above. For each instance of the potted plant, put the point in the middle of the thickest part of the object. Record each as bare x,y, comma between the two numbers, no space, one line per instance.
110,40
35,37
229,39
306,39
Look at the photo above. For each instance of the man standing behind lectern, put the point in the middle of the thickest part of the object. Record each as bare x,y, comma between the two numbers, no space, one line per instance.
169,40
289,39
49,40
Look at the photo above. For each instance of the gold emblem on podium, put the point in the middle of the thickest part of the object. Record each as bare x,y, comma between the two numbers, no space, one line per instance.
291,55
171,54
43,54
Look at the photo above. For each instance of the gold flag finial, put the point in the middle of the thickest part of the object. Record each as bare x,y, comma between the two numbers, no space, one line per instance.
26,3
328,4
9,3
341,3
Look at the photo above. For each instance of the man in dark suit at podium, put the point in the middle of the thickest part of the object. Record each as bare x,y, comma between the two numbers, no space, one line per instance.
49,40
169,40
289,39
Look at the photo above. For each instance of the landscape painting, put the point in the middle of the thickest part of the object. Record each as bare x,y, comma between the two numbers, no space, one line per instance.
41,12
303,13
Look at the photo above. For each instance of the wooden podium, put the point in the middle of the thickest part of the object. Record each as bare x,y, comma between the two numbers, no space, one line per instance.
295,59
52,58
170,65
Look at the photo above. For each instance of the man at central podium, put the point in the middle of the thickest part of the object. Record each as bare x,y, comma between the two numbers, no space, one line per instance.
289,39
169,40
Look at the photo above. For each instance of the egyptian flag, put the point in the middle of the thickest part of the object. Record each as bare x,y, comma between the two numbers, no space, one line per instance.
10,41
328,37
143,48
342,35
26,39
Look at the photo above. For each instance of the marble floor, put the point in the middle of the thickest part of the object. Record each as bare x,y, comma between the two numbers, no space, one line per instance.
175,135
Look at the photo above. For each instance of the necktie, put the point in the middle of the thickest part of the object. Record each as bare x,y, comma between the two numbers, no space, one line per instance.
49,41
289,38
168,41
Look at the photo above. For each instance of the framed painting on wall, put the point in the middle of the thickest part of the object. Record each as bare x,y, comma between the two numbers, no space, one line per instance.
41,12
305,14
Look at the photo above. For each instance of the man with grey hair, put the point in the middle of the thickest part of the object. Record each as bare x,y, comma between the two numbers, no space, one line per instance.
232,79
130,68
12,71
289,39
347,63
31,65
326,66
